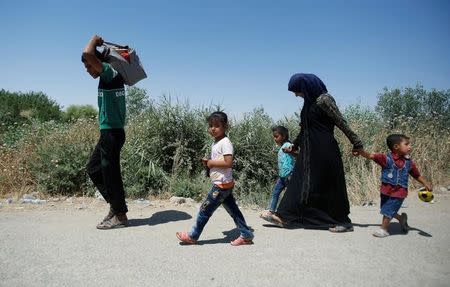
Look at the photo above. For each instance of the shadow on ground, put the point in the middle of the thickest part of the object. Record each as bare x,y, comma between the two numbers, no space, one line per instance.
160,217
394,228
230,235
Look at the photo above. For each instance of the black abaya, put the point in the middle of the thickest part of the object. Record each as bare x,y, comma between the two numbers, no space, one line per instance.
316,195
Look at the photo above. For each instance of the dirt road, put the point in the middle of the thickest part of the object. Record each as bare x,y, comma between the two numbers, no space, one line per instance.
56,244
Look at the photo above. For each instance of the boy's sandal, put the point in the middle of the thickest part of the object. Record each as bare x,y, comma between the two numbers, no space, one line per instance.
109,215
380,233
112,223
242,241
269,218
341,229
184,237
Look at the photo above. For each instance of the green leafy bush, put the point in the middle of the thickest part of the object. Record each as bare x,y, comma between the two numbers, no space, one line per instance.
192,187
75,112
21,107
137,101
414,103
166,139
59,160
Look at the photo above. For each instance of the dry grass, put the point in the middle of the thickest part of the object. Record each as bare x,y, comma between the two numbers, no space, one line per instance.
431,152
15,177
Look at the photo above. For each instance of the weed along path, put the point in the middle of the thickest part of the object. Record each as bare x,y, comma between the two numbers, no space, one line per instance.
56,244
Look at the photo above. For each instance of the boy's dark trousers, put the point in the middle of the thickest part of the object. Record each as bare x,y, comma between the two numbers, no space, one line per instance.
104,168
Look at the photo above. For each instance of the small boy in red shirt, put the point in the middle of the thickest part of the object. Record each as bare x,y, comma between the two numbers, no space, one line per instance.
396,166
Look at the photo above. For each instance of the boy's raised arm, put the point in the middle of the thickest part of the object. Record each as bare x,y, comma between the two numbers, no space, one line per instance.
89,54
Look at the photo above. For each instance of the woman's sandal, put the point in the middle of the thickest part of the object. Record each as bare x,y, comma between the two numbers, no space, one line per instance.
269,218
266,213
185,238
341,229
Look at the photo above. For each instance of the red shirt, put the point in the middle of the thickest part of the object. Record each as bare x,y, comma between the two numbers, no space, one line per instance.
389,189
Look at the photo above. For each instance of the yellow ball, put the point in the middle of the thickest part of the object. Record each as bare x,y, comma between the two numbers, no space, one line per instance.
426,196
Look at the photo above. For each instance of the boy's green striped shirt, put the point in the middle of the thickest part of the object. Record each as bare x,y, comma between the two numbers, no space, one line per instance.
111,99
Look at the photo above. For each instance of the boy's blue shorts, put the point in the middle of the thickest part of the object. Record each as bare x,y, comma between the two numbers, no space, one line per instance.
390,205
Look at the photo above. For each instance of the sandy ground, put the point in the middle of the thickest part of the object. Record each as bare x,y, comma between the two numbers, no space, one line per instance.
56,244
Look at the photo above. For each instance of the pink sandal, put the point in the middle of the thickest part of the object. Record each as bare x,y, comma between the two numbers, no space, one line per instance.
185,238
242,241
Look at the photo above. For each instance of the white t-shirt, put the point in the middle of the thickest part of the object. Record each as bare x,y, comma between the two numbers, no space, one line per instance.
219,149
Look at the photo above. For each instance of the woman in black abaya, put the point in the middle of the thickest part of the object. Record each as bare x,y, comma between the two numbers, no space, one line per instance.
316,196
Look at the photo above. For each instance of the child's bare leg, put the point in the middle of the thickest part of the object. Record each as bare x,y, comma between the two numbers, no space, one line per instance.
383,231
403,219
385,222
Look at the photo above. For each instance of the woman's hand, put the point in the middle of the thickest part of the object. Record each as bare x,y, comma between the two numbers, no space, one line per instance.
358,148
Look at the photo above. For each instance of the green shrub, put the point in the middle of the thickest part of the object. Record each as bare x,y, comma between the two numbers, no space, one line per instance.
191,187
21,107
255,157
75,112
13,133
414,103
59,161
166,139
141,180
137,102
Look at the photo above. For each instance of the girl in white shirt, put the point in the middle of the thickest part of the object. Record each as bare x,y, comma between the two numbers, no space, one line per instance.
220,171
